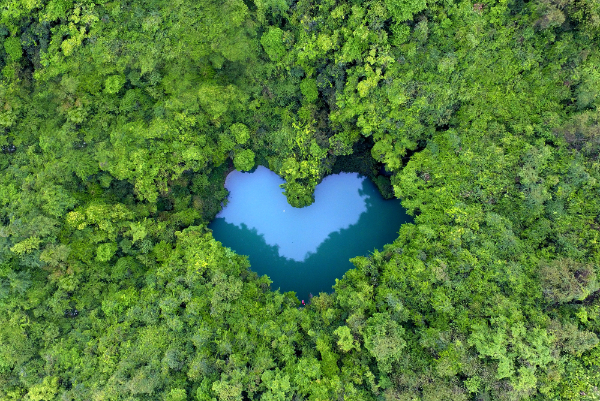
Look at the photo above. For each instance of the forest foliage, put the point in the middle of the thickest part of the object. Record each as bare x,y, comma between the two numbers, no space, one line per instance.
119,121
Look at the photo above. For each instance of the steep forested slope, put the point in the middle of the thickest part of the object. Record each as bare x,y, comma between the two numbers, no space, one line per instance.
119,121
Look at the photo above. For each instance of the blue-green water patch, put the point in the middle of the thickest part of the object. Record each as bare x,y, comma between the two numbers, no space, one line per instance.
305,250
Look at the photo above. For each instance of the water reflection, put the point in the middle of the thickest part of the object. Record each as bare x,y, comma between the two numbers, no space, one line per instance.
305,250
257,201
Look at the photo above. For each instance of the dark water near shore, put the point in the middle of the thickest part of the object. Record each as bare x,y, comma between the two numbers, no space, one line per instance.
305,250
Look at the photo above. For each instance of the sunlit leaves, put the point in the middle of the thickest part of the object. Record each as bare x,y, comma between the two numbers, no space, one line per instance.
272,42
244,160
26,246
13,48
308,87
384,340
402,10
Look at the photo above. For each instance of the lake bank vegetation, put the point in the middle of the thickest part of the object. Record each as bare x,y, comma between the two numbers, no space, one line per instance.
119,121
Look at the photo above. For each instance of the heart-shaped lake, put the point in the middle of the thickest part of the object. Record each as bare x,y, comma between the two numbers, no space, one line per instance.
305,250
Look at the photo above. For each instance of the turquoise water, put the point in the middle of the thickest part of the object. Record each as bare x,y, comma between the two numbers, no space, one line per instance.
305,250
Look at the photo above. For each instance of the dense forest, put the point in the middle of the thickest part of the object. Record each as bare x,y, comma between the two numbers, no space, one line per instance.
119,121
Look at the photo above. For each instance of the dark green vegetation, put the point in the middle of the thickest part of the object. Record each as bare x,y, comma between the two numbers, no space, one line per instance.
120,119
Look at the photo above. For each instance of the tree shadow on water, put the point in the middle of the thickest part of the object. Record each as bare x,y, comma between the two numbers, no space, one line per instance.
377,226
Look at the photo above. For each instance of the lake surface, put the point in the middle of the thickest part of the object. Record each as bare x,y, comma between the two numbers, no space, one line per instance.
305,250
